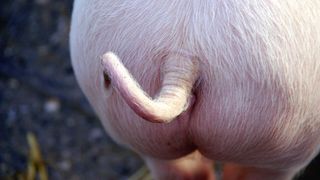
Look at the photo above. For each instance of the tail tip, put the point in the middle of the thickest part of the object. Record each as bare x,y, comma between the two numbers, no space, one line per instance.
108,56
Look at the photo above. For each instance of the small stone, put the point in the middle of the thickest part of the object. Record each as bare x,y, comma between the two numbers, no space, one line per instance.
8,52
65,165
71,122
66,154
95,134
24,109
11,117
13,84
52,105
43,50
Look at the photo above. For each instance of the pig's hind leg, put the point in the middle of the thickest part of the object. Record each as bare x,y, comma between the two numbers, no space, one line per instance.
191,167
238,172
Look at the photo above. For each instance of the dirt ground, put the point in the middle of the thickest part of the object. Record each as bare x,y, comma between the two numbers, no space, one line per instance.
39,94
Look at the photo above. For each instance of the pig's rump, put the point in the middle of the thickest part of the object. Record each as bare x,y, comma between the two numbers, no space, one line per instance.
257,97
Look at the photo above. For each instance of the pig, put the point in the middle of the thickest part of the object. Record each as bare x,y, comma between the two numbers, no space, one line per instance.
185,83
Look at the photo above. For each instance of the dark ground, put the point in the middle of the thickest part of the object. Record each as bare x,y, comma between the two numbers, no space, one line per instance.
39,94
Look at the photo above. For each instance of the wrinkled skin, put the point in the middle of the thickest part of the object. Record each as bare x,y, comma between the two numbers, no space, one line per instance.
255,99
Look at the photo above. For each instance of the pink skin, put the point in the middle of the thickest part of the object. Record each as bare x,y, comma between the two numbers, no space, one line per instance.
173,99
233,81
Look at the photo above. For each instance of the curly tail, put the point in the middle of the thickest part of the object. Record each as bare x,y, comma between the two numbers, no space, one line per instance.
180,73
